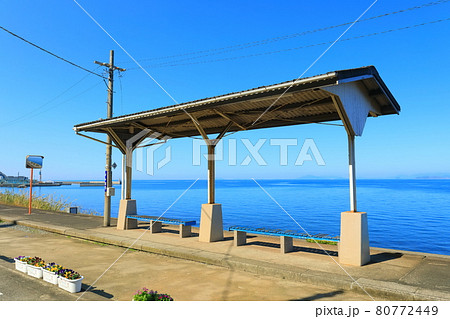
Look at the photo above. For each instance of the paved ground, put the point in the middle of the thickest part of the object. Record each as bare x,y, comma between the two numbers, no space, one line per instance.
220,271
184,280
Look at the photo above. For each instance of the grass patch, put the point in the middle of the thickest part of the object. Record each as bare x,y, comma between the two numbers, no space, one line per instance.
44,202
90,212
94,242
325,242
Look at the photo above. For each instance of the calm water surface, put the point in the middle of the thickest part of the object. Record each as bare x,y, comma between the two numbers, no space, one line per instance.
403,214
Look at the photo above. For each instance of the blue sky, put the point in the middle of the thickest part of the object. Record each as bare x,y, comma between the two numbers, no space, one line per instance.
35,118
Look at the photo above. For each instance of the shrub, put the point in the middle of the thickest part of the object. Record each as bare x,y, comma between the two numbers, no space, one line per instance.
150,295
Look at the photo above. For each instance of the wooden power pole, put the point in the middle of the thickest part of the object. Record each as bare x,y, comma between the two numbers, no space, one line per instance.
108,174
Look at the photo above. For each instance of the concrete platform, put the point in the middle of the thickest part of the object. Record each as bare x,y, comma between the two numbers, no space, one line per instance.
391,274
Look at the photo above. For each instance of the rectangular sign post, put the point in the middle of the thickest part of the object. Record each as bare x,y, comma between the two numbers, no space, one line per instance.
31,192
33,161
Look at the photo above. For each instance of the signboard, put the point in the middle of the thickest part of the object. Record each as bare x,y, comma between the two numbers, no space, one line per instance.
34,161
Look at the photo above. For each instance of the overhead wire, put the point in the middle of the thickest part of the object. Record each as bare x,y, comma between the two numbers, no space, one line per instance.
174,64
32,113
254,43
47,51
121,92
126,52
221,50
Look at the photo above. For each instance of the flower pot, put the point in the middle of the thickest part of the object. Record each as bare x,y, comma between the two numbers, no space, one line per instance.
70,285
34,271
50,276
21,265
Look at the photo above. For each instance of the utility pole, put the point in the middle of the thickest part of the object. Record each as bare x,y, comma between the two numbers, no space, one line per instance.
108,174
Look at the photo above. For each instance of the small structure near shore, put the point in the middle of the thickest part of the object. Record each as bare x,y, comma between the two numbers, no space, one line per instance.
13,180
349,96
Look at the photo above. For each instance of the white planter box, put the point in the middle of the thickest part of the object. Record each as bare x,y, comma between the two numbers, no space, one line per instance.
50,276
21,265
70,285
34,271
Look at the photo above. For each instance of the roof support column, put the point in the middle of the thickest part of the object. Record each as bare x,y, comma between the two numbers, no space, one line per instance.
124,174
127,205
352,171
211,172
354,239
128,173
211,223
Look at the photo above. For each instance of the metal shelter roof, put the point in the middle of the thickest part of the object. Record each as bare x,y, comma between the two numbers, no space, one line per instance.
349,95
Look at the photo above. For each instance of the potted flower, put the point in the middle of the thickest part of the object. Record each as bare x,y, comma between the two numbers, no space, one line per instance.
21,263
150,295
50,273
34,267
69,280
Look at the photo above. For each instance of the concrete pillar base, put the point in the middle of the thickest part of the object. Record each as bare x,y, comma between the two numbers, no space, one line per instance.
185,231
240,238
127,207
211,225
286,244
354,241
155,227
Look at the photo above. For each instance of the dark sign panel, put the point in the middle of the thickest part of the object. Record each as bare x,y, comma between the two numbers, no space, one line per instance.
34,161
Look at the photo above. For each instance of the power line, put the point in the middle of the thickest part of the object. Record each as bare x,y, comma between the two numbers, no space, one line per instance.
174,64
123,49
242,46
46,51
33,113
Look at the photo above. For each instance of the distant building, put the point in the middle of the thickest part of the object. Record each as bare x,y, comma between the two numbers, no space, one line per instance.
13,179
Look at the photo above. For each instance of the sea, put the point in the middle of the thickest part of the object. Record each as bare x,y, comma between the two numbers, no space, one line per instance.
403,214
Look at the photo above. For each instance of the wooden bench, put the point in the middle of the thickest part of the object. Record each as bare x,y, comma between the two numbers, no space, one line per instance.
286,237
156,223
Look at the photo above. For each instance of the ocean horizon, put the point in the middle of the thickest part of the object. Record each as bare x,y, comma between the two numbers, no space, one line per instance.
403,214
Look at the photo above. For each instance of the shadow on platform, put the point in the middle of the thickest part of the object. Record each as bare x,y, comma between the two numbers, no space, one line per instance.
320,296
7,259
296,248
96,291
382,257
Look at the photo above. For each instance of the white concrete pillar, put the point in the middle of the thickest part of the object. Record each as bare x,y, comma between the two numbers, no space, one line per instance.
122,186
211,173
129,173
352,171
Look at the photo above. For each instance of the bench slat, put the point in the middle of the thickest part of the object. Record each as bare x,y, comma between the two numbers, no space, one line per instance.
277,232
163,220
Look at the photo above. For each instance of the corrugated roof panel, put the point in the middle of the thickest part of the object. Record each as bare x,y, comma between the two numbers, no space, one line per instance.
304,100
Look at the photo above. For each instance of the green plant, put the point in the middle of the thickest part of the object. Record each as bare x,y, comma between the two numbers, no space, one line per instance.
36,261
23,258
325,242
55,268
91,212
44,202
69,274
150,295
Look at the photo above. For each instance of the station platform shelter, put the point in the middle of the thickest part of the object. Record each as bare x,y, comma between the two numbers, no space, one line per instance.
349,96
